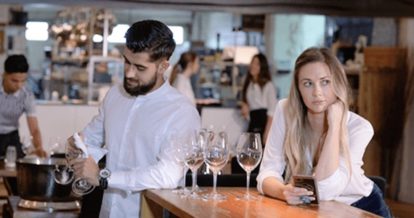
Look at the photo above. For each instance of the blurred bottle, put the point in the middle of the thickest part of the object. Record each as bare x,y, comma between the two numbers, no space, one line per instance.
11,156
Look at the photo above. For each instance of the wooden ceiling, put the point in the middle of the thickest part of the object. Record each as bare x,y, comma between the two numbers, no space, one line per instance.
378,8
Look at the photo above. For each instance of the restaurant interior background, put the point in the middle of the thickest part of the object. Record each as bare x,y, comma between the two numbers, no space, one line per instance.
72,63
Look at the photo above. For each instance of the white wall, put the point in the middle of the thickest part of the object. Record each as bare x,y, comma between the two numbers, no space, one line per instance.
289,36
206,25
58,121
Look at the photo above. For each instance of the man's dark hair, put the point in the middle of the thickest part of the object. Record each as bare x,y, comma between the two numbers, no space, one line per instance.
16,64
150,36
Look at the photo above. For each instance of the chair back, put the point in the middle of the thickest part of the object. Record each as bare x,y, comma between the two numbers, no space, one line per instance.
380,181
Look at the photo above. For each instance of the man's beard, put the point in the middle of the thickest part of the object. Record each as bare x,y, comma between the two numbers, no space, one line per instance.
140,89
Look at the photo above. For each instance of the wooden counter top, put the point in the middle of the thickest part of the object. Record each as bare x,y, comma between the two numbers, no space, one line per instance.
155,200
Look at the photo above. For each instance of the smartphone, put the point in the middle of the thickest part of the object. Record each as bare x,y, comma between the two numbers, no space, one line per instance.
309,183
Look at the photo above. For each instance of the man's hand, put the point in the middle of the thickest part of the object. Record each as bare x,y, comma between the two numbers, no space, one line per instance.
86,168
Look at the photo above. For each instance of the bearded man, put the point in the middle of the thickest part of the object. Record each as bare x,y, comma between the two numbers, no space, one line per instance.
135,123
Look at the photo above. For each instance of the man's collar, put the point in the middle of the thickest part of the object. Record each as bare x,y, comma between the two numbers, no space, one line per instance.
160,91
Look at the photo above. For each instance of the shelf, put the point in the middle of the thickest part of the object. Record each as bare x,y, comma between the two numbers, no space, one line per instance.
79,62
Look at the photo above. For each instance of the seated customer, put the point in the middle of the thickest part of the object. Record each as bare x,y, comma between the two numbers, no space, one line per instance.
313,133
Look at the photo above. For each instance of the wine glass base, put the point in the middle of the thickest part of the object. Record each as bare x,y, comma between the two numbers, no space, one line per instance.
195,196
247,197
80,187
83,192
198,189
183,192
214,197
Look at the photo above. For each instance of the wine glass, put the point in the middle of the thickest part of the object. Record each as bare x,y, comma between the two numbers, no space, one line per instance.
216,155
205,136
179,149
64,175
80,186
249,153
194,159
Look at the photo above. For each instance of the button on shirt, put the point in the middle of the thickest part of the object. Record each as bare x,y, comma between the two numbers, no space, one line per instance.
340,186
12,106
137,133
261,98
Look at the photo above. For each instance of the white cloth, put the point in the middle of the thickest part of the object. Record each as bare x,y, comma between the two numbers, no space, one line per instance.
135,131
258,98
183,85
336,186
97,153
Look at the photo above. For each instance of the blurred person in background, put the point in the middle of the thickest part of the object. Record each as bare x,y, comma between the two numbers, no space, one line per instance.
258,102
258,97
180,77
16,99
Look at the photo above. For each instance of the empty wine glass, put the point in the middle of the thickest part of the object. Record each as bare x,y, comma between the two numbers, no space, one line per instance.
65,175
80,186
194,159
249,154
205,136
216,155
179,148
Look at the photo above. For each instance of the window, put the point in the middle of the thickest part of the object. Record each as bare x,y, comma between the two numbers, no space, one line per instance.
118,33
178,34
37,31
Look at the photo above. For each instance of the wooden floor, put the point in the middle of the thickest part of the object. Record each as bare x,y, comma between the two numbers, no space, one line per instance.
399,209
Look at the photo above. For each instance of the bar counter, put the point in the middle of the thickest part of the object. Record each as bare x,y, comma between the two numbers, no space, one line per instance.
154,201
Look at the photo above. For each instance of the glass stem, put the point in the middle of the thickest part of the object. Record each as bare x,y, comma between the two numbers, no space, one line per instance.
194,186
214,183
185,172
248,184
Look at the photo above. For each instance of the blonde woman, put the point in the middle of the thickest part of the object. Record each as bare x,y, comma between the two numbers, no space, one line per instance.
313,133
182,72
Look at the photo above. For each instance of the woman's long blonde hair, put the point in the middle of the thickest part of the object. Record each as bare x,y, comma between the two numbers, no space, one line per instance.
298,129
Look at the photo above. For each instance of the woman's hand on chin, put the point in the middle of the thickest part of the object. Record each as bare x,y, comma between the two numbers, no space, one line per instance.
335,112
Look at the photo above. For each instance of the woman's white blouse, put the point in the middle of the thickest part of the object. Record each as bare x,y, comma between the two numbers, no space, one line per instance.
335,187
259,98
183,85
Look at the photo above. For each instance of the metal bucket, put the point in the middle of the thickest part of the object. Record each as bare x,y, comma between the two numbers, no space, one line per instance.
35,180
